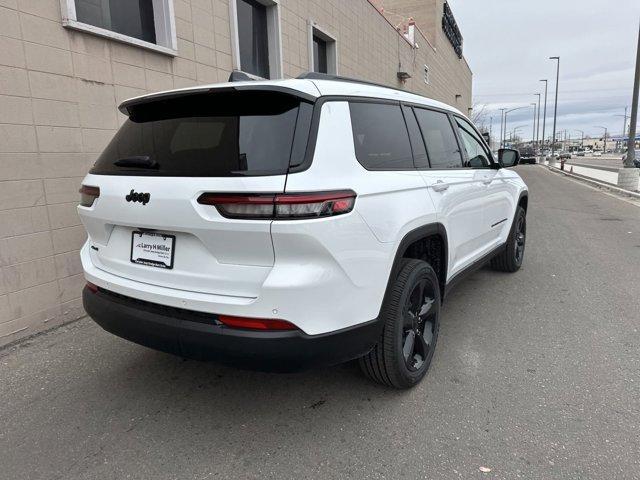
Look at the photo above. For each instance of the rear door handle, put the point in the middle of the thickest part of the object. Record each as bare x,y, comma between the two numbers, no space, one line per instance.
487,180
440,186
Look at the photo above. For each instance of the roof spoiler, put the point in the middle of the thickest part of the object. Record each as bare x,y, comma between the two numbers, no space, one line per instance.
126,106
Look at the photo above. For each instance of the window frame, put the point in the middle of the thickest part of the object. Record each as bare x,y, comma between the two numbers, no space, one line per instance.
274,37
454,118
315,30
163,20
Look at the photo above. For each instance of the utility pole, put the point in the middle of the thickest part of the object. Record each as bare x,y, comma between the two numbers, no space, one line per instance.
606,131
555,111
544,116
582,140
629,177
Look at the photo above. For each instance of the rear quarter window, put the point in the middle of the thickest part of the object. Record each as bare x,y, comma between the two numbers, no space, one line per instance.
208,135
380,136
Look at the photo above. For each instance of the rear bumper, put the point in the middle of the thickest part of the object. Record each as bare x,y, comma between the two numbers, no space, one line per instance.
196,335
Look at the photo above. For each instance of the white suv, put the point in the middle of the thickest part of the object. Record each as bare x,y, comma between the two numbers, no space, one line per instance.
285,224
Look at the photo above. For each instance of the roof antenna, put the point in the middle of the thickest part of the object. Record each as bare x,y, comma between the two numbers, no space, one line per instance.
240,76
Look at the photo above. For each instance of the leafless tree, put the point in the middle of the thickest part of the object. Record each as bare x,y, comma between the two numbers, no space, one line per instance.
479,116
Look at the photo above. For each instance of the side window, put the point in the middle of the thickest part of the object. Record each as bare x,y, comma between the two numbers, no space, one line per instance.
380,136
439,138
477,154
420,158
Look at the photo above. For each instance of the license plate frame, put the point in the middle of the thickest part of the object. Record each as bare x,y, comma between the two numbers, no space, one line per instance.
163,259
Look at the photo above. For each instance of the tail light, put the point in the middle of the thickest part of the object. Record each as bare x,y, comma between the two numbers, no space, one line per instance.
286,206
256,323
92,287
88,195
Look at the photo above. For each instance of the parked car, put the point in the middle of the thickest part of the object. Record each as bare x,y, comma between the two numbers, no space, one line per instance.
597,154
636,160
580,153
289,224
564,156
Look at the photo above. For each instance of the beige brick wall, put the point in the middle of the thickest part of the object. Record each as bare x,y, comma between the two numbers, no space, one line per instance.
59,90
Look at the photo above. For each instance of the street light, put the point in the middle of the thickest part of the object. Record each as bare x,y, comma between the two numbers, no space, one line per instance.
502,132
606,130
533,138
544,117
582,140
555,111
505,118
539,95
625,116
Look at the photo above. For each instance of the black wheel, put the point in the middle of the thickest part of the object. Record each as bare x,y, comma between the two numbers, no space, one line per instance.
510,259
411,316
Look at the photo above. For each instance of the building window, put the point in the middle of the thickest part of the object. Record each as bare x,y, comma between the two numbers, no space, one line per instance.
319,55
322,51
146,23
256,37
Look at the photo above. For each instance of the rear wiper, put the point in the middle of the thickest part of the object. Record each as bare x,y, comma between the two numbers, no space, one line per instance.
140,161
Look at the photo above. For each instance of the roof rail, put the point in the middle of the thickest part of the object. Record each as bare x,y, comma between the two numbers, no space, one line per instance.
338,78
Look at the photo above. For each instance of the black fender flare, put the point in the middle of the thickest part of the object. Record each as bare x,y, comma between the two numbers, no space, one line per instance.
412,236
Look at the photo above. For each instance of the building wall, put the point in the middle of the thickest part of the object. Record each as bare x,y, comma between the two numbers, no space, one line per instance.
59,90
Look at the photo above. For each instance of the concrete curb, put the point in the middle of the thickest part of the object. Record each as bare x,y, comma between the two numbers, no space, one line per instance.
606,186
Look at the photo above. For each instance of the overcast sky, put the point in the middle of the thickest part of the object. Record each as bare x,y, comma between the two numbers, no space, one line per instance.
507,43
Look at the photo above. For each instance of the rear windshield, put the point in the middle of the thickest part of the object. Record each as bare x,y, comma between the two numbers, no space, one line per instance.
209,135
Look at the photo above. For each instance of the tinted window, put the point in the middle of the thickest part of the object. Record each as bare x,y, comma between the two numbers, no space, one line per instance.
380,136
216,135
439,138
417,143
132,18
253,38
319,55
477,156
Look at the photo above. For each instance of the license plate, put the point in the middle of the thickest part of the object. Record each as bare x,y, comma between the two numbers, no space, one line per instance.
153,249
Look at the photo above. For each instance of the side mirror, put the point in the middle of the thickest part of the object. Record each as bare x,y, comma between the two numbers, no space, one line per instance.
508,157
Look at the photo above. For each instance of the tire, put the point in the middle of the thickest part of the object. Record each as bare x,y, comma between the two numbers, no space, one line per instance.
406,313
510,259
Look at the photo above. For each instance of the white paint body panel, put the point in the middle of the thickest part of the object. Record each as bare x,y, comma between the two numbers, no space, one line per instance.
323,274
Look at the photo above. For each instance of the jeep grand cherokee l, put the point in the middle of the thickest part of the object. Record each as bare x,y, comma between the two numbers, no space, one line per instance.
287,224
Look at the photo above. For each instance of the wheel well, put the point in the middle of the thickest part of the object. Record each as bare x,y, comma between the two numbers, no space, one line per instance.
524,202
432,250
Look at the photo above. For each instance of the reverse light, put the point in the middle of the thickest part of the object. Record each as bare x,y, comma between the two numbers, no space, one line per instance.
286,206
88,195
256,323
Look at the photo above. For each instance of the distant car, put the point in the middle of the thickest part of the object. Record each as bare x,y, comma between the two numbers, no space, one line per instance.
580,154
527,155
565,156
636,160
597,154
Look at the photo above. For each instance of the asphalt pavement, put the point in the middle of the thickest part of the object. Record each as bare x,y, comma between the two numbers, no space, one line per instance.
536,375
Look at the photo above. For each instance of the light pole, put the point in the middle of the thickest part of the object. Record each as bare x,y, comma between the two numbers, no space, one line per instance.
555,110
502,129
505,118
582,140
606,131
533,138
544,116
629,177
539,95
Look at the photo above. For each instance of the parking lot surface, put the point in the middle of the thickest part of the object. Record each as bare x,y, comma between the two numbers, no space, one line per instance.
536,375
